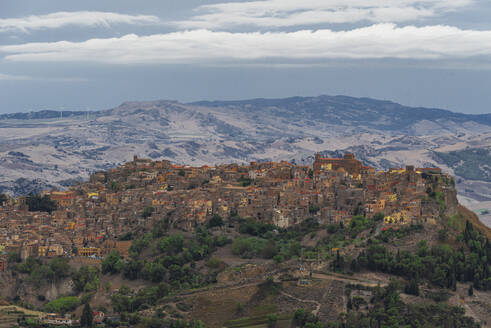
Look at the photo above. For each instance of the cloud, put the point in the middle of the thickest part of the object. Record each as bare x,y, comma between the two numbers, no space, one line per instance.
203,46
76,18
9,77
283,13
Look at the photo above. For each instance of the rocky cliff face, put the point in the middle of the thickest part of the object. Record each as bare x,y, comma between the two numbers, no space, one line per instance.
11,286
451,202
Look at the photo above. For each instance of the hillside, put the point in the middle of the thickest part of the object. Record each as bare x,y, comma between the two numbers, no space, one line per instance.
335,244
47,149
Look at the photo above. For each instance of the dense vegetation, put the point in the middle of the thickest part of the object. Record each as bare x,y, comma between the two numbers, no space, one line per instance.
86,279
441,265
172,259
386,309
39,273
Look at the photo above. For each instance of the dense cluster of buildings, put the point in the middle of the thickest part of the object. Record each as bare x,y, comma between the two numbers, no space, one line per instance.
90,217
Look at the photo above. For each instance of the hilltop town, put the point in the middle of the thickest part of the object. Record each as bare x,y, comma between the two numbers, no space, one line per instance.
219,243
90,217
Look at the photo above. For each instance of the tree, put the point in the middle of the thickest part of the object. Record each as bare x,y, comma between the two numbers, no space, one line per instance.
87,316
272,320
3,198
147,212
379,216
37,203
349,305
299,317
412,287
62,305
113,263
215,221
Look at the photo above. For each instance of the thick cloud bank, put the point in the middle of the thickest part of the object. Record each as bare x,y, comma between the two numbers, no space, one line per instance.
204,46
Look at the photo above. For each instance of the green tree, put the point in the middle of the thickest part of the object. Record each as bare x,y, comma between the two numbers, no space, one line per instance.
37,203
272,320
412,287
299,317
113,263
147,212
62,305
215,221
87,318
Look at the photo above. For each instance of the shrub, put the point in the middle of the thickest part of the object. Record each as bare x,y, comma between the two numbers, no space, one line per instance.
279,258
62,305
213,263
215,221
248,247
272,320
147,212
113,263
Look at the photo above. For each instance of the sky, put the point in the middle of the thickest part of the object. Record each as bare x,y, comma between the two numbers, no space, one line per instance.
92,54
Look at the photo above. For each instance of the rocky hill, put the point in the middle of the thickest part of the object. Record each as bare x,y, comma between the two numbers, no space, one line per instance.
54,149
335,244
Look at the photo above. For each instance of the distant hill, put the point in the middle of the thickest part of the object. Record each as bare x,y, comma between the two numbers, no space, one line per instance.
380,114
44,114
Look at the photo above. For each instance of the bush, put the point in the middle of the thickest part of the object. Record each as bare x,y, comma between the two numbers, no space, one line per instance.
332,228
379,216
279,258
213,263
62,305
248,247
113,263
215,221
171,245
255,228
272,320
147,212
